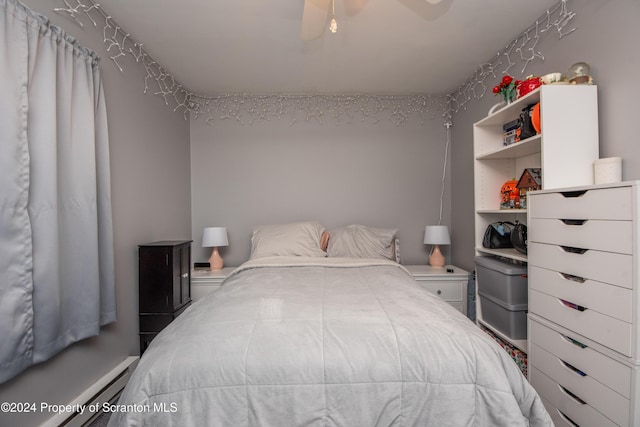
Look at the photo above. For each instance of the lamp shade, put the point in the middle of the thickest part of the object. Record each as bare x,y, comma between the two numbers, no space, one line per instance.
436,235
214,237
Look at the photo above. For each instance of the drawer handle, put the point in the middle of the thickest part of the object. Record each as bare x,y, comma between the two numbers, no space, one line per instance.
571,395
574,342
439,292
567,419
573,221
573,250
572,305
578,193
573,368
573,278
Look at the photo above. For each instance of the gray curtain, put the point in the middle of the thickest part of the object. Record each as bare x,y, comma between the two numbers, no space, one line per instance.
56,237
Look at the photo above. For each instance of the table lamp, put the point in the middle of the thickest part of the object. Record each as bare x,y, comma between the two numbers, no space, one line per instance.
215,237
436,235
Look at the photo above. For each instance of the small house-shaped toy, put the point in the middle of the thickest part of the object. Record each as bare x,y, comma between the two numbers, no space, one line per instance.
530,180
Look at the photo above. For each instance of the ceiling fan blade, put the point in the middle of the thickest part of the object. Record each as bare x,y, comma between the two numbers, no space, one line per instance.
355,6
428,9
314,18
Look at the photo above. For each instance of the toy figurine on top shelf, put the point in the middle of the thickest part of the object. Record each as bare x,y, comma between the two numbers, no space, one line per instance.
510,195
579,74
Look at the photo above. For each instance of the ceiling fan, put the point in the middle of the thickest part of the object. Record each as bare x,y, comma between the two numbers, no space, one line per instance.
315,15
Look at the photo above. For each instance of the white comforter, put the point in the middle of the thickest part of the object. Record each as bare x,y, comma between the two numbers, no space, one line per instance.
325,342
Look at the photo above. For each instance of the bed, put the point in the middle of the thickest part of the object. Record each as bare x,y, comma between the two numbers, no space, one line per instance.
298,340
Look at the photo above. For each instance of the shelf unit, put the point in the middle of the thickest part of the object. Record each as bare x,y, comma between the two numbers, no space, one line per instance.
565,151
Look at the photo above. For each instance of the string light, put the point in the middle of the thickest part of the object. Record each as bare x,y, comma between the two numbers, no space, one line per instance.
333,25
557,17
335,108
339,108
73,11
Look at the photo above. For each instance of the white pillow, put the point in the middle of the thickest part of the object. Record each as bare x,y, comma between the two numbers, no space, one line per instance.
294,239
359,241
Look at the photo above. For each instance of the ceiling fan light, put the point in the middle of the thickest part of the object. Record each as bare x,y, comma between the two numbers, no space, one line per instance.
333,26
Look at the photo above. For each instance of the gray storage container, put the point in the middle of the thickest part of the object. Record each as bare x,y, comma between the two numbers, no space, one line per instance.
508,319
502,280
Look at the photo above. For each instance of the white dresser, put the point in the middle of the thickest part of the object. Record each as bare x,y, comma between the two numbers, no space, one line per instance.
584,351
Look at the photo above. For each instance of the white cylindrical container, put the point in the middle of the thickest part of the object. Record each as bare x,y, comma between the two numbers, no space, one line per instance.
607,170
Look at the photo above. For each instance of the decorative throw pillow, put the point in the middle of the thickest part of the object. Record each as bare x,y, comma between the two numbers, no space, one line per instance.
293,239
324,240
359,241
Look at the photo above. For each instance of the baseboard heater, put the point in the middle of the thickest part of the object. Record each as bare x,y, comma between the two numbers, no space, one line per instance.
103,390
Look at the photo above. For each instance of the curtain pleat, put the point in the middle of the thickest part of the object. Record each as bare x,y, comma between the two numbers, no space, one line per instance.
57,234
16,314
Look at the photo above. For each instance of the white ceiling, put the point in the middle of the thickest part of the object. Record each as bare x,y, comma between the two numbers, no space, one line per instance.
381,47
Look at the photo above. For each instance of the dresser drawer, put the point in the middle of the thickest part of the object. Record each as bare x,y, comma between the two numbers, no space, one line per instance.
607,267
458,306
581,387
155,322
569,349
201,289
608,204
609,236
559,418
602,329
612,301
447,290
561,405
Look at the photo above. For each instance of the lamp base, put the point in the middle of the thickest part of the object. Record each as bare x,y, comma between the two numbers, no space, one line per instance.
436,259
216,262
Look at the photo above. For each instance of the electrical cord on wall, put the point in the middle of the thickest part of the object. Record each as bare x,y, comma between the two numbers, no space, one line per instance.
444,167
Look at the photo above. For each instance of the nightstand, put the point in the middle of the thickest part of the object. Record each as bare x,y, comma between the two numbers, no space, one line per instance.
204,282
451,287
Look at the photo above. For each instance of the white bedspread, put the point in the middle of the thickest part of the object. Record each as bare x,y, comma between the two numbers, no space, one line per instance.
325,342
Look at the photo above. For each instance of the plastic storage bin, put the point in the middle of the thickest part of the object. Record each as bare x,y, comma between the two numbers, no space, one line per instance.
502,280
503,292
511,320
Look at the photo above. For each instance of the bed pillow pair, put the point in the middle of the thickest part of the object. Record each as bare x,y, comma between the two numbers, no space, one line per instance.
293,239
360,241
310,239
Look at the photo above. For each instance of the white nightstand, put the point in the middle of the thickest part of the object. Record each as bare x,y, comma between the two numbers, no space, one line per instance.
451,287
204,282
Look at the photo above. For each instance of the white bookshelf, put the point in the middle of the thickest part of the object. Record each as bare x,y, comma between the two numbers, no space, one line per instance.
565,150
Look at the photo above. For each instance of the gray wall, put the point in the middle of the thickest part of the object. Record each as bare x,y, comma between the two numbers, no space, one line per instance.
378,174
271,172
606,38
151,201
